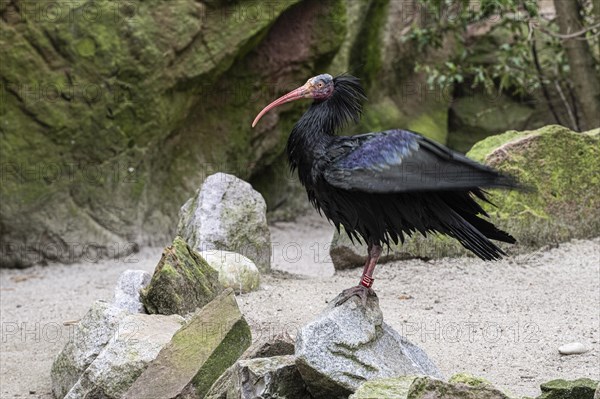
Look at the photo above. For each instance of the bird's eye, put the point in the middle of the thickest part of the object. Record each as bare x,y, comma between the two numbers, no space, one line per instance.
320,85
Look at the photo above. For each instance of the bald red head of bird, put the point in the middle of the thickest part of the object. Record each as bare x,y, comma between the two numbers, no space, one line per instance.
318,88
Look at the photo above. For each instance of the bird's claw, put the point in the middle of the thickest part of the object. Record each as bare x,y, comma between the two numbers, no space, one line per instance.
360,291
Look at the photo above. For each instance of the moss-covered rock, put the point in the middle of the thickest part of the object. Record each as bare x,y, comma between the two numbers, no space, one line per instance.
182,282
198,354
473,118
418,387
469,379
583,388
559,168
389,388
113,112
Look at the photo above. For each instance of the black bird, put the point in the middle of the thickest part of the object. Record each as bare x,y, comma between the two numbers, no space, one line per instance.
385,185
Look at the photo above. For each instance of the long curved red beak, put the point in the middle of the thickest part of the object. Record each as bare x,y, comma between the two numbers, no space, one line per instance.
296,94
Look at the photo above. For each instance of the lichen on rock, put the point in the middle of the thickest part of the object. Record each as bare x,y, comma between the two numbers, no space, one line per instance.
422,387
560,169
212,340
582,388
181,283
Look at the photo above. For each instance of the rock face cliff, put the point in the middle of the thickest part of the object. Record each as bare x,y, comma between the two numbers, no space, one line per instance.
114,112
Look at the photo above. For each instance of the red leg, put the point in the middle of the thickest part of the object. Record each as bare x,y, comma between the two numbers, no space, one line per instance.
367,276
363,290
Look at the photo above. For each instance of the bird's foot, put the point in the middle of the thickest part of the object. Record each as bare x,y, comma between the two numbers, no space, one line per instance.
360,291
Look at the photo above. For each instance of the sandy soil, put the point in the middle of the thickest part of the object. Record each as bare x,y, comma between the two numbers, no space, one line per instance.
503,321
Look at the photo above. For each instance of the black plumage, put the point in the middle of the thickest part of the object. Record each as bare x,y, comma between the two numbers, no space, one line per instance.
381,187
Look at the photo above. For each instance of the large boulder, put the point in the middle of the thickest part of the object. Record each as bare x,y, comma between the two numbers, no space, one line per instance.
473,118
112,112
212,340
349,344
418,387
235,270
227,214
561,202
90,336
560,168
182,282
137,341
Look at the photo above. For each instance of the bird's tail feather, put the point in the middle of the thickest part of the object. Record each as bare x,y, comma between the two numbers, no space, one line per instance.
488,229
473,240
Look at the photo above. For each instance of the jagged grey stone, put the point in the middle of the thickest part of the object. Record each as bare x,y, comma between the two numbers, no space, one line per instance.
127,291
265,347
349,344
90,336
227,214
235,270
137,341
272,377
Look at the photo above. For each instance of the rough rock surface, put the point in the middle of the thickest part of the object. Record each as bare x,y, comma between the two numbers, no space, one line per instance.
279,345
148,76
137,341
272,377
235,270
563,201
560,166
212,340
475,117
90,336
414,387
182,282
127,291
583,388
227,214
349,344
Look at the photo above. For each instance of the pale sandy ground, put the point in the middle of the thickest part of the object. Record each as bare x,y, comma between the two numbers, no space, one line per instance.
503,321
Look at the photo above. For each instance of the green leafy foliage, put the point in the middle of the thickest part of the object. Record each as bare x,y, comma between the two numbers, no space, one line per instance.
508,46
